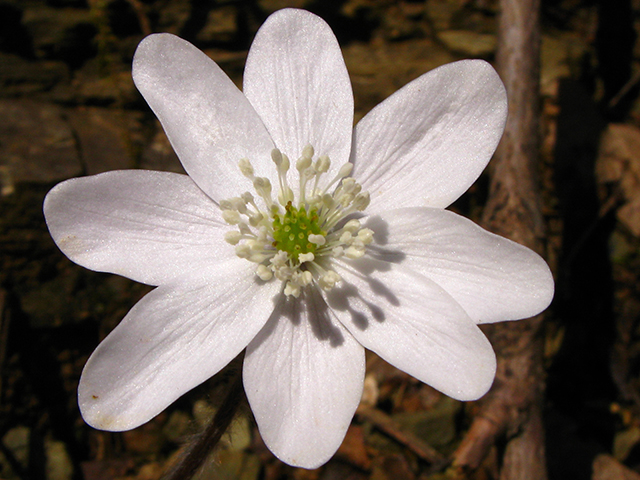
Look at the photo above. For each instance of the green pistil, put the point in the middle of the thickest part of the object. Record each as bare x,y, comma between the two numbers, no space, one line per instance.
291,231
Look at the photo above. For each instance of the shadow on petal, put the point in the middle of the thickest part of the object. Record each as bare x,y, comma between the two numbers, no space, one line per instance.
381,237
348,298
309,307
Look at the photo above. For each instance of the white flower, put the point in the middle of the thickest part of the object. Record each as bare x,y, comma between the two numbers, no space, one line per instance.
379,264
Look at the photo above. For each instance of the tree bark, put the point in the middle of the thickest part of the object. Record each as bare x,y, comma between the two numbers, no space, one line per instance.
512,410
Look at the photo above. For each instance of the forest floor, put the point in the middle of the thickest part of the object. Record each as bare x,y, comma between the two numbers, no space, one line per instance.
68,107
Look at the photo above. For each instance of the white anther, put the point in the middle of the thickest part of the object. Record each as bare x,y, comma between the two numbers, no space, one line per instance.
328,201
349,185
233,237
303,163
317,239
238,204
279,259
226,205
244,228
346,199
346,237
255,245
262,234
285,163
257,257
322,164
328,280
352,225
255,219
245,167
232,217
243,250
263,187
306,278
264,273
292,290
366,236
285,196
354,251
361,201
276,156
314,200
306,257
345,170
307,151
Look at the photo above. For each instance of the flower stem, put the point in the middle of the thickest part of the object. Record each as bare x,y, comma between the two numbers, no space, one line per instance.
198,451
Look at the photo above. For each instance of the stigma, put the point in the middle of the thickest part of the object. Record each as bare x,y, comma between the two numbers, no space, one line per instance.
294,240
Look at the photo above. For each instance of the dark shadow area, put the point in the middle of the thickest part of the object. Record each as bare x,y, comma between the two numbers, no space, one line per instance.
14,38
615,40
580,388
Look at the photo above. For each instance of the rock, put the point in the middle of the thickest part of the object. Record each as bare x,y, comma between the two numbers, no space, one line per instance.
203,412
618,164
560,55
36,142
58,461
20,77
270,6
478,45
353,448
146,439
173,16
401,21
230,464
106,469
437,426
90,88
605,467
624,441
105,138
61,33
178,427
158,154
441,12
221,25
16,441
239,434
629,216
370,392
378,72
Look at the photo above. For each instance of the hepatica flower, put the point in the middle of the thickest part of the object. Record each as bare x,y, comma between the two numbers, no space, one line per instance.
298,238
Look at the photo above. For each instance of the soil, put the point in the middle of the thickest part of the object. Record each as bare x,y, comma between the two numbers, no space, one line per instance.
68,107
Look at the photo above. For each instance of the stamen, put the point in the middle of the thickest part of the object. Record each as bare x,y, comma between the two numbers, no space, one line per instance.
246,168
291,241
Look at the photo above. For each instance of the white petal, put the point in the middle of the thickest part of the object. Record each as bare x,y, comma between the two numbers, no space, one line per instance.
303,375
494,279
172,340
147,226
414,325
208,120
428,142
296,79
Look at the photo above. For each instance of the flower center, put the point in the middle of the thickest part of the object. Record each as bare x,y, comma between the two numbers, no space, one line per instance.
291,231
295,240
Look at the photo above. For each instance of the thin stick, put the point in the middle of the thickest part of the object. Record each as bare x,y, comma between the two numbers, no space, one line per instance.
196,453
388,426
513,408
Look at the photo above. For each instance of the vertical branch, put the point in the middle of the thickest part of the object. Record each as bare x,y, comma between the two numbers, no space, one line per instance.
513,209
513,408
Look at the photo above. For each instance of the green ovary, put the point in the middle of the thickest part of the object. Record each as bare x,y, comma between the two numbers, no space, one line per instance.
291,231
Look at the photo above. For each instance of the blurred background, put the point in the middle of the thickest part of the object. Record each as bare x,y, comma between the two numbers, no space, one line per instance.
68,107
